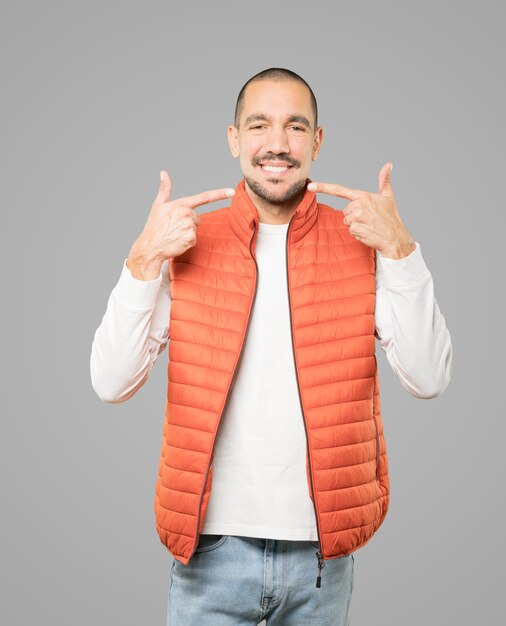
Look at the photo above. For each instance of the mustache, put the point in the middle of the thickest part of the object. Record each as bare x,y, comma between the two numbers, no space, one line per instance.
280,159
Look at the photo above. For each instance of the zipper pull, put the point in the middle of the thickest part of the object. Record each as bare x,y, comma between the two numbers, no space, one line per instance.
321,565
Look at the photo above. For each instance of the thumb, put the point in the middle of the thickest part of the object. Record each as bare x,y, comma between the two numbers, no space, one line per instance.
385,179
165,188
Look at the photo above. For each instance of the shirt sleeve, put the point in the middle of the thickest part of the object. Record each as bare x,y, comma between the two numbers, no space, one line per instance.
409,325
133,332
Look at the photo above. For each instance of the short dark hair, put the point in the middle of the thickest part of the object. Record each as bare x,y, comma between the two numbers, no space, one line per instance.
277,74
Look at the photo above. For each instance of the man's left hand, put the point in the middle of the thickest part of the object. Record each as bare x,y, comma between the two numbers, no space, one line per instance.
373,218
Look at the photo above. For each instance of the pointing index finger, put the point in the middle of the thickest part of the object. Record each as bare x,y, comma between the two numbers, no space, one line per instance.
336,190
206,197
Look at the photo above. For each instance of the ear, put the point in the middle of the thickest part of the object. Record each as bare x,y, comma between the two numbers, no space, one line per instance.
233,140
317,142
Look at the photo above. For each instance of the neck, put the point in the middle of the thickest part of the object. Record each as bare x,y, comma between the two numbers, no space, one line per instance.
274,213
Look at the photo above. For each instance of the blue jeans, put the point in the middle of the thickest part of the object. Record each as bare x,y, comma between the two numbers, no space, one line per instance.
234,581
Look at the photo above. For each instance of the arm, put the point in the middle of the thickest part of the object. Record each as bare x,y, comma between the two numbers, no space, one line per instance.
133,332
410,326
135,327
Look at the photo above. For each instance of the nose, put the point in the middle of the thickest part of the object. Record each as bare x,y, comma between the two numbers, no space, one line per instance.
277,141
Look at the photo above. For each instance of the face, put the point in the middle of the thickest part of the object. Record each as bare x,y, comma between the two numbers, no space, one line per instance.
276,141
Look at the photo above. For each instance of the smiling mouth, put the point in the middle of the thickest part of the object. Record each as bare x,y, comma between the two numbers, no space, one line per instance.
279,170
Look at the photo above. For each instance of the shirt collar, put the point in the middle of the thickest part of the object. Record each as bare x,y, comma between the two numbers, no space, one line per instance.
243,214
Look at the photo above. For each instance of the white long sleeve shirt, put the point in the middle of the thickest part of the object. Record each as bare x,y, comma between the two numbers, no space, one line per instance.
259,475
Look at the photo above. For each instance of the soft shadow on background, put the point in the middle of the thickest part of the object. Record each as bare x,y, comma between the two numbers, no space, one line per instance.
97,98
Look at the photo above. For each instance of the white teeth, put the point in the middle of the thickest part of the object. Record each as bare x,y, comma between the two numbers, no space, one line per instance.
271,168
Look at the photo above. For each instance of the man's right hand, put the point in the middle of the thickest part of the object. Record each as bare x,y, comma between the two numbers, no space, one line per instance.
170,230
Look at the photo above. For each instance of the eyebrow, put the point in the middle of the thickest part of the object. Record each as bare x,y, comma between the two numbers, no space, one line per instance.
300,119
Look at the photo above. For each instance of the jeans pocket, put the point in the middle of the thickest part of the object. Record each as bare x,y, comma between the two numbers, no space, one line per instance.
209,542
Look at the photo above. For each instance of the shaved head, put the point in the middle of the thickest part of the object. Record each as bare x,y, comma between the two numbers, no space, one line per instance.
276,74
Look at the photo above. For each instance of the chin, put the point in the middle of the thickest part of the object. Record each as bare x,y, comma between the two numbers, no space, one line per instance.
276,191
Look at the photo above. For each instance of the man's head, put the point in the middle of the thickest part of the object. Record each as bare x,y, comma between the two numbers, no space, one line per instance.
276,120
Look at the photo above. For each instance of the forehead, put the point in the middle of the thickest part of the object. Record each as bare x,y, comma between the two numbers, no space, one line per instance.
277,99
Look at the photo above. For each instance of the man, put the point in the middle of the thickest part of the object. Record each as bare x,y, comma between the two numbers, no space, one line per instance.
273,305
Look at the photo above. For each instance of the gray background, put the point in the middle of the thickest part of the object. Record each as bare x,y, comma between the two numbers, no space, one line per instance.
97,98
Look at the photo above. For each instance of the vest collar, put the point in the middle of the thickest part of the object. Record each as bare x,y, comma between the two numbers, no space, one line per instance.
243,214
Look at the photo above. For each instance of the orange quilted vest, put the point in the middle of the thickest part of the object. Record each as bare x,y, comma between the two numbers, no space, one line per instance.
331,286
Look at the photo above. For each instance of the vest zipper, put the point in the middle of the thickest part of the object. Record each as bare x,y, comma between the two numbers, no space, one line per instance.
319,556
228,392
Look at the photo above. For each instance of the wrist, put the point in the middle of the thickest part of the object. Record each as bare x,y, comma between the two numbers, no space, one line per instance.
142,264
399,250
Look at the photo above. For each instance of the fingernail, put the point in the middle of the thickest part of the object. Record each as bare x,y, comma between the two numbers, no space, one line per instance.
311,186
391,167
230,192
161,175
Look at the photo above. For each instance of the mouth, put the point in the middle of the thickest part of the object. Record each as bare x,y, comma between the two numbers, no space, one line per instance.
277,170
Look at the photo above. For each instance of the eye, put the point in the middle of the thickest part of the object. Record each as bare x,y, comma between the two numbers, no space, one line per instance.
298,128
255,127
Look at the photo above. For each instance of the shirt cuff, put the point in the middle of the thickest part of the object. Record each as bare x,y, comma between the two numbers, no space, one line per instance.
406,271
139,294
